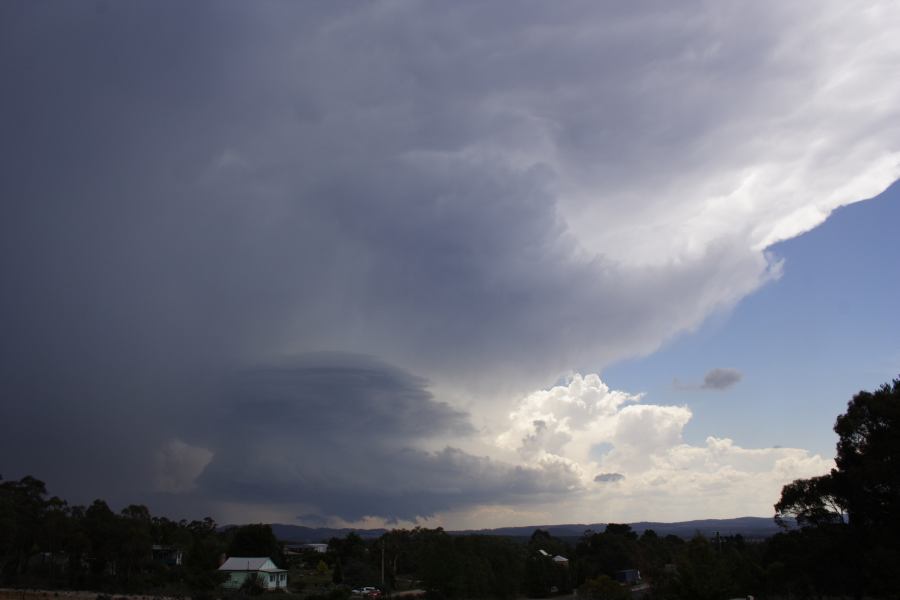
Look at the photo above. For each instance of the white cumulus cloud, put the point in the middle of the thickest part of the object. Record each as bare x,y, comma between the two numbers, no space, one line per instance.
655,471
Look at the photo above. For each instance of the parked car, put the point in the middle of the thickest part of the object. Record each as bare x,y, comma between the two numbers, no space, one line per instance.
366,591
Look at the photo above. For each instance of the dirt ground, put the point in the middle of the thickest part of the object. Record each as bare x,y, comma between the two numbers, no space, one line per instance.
8,594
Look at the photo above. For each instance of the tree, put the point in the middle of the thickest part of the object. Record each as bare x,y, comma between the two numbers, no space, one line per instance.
539,576
811,502
866,483
337,574
351,564
134,552
606,553
22,508
202,557
868,457
255,540
350,547
253,585
622,529
705,572
47,543
543,575
603,587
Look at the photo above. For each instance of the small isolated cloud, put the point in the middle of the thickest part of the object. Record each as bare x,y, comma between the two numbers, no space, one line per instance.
715,379
609,477
721,379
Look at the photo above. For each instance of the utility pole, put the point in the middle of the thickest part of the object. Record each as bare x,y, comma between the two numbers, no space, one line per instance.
382,562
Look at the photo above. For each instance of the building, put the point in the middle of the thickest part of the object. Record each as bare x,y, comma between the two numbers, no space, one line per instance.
167,555
628,576
558,559
300,548
241,568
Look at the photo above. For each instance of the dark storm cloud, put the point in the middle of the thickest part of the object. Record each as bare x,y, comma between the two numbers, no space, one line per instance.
240,179
248,179
393,483
336,432
721,379
175,210
335,393
192,189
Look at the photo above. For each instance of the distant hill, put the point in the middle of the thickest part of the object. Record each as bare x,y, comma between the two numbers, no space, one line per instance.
749,527
311,535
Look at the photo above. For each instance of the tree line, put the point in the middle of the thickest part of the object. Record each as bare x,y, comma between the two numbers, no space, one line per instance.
840,539
47,543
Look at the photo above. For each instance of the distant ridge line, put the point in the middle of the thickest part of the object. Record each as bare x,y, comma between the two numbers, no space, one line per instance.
749,527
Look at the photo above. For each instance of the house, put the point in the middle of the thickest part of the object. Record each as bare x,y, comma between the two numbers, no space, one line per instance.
559,560
241,568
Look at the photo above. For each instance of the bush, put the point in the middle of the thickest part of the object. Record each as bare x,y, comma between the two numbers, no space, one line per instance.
252,586
603,588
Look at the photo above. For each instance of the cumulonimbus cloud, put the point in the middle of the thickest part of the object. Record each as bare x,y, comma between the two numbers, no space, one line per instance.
484,196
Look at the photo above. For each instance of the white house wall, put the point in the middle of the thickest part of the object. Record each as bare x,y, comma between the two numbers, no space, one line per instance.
270,581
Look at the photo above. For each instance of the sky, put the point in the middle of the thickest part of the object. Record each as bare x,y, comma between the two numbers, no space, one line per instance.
461,264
